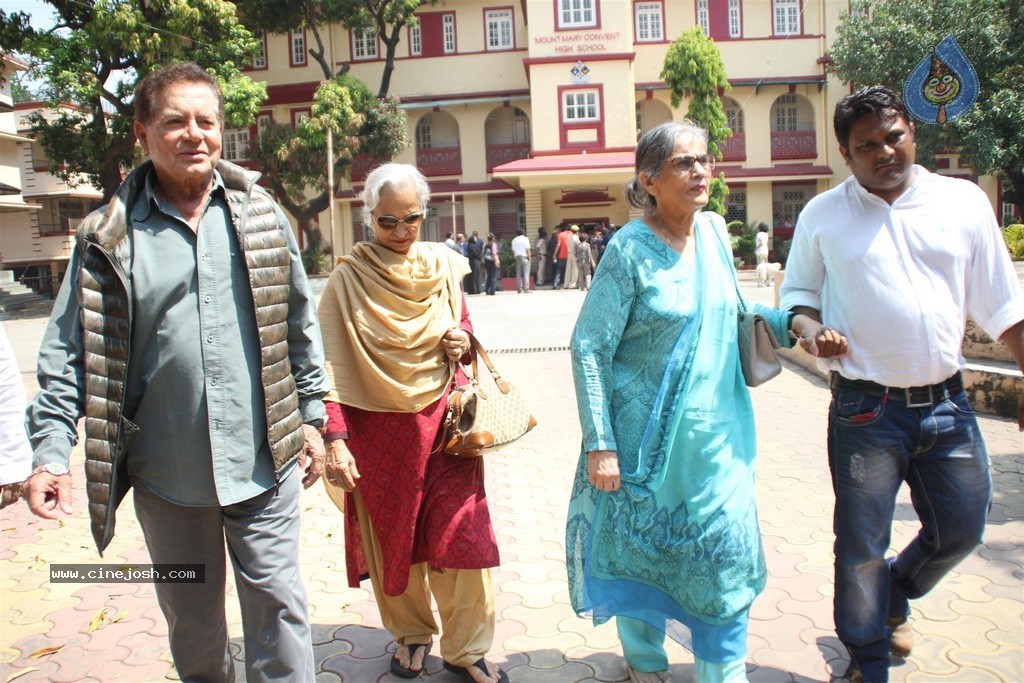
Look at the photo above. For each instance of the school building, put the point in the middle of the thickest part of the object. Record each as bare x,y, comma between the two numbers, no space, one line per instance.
526,114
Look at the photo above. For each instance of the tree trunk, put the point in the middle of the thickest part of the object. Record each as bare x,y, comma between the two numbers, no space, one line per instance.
310,227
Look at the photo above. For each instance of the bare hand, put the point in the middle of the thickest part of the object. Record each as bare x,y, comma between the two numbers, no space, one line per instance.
604,470
819,340
341,466
10,494
313,448
48,495
455,343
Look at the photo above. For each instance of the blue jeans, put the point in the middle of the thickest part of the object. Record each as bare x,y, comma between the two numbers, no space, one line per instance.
874,445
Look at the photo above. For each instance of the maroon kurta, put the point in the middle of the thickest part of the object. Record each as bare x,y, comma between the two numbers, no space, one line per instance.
423,507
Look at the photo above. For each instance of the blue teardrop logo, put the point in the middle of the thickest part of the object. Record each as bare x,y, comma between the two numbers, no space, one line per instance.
943,85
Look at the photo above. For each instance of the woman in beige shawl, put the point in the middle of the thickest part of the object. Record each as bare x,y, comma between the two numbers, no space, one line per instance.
394,324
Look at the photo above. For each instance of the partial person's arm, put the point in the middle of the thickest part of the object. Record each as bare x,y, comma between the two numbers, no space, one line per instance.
1014,340
53,414
993,289
306,354
15,451
596,337
305,348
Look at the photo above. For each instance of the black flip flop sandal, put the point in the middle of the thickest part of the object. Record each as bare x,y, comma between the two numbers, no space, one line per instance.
463,672
404,672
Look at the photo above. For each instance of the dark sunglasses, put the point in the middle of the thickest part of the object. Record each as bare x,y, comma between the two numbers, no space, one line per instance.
685,163
387,222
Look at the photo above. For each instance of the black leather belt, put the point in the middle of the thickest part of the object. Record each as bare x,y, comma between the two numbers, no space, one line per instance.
913,397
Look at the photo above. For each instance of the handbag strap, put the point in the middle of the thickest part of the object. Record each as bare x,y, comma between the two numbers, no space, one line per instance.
503,386
476,349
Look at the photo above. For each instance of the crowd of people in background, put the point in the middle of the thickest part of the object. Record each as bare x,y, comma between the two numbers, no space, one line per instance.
564,258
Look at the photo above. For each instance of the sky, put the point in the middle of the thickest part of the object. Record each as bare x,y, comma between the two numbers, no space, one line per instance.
41,13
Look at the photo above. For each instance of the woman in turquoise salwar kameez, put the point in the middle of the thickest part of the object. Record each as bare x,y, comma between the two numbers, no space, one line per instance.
662,530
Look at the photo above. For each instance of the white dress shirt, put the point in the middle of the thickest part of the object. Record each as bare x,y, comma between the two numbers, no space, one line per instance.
15,451
899,280
521,246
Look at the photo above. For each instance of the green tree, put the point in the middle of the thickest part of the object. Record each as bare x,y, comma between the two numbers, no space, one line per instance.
293,159
96,53
881,42
386,18
693,66
20,92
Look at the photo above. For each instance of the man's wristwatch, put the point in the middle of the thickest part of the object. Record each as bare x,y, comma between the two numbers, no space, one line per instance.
54,468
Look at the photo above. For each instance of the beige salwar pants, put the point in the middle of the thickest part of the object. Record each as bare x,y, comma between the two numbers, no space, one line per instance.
465,602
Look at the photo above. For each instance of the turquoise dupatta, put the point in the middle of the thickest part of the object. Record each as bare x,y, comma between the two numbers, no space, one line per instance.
678,546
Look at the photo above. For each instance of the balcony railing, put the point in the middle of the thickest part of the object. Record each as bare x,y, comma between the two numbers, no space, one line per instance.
794,144
361,166
735,148
502,154
439,161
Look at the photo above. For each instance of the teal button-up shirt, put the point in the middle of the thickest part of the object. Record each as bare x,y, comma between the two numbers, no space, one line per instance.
194,386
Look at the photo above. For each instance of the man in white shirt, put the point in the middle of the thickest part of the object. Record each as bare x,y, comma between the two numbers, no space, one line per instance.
521,250
15,451
895,258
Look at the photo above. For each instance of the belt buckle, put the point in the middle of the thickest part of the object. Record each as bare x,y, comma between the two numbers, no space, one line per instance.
908,396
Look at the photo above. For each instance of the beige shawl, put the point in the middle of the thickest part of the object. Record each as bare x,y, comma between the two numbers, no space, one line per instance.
382,317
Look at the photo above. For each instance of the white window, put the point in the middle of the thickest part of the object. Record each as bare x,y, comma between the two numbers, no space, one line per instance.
734,117
734,19
579,105
423,137
259,55
1008,212
649,24
736,205
298,43
236,144
786,114
449,33
415,41
499,29
576,14
702,16
263,122
787,17
364,44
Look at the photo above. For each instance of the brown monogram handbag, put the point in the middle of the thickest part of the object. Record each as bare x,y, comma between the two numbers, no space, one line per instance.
483,414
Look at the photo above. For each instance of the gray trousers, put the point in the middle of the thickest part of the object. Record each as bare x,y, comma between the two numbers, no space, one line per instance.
262,536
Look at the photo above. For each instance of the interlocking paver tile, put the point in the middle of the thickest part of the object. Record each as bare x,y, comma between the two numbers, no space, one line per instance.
531,641
604,637
607,666
540,622
572,671
76,663
41,670
987,667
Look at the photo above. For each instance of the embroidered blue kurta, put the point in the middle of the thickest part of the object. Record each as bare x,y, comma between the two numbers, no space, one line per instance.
658,380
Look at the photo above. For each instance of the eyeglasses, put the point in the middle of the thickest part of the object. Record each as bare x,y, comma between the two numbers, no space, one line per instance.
685,163
413,220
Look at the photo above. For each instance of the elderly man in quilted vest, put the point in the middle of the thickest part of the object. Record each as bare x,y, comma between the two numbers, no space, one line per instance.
185,333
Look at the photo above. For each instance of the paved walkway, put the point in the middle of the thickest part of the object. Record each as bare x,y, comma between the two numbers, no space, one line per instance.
968,629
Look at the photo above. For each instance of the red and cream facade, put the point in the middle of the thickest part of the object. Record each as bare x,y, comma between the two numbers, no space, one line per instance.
527,113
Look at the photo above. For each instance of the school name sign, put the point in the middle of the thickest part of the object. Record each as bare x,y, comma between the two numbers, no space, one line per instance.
580,43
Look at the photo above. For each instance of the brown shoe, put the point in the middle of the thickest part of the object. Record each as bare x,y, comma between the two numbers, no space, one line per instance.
902,641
